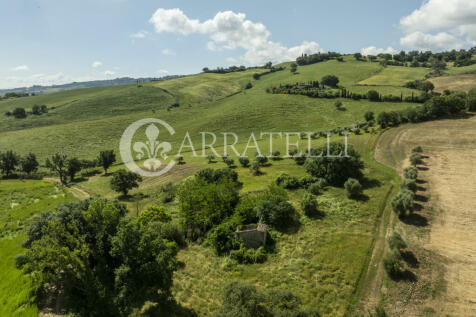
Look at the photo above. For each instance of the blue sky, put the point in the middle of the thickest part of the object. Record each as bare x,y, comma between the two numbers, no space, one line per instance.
50,41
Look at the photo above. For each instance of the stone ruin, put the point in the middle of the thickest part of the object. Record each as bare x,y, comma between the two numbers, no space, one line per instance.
253,236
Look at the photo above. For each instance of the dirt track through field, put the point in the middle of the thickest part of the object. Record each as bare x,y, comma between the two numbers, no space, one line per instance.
450,170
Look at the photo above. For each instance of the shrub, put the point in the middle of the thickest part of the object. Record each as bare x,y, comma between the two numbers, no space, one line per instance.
287,181
249,86
255,169
309,204
154,214
246,209
314,188
222,237
330,80
292,152
261,160
274,210
229,162
415,159
410,172
409,184
393,263
338,104
275,156
305,181
249,256
244,161
20,260
396,242
417,149
19,113
180,160
402,203
172,231
353,188
335,171
373,95
211,159
369,116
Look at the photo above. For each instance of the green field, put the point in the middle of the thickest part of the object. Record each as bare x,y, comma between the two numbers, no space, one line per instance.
323,261
396,76
20,201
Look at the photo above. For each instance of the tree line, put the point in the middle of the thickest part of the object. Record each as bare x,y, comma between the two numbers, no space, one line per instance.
21,113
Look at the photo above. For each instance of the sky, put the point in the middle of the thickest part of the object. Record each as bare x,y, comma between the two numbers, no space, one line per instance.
48,42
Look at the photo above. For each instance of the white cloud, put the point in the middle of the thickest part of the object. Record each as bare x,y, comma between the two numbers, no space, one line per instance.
139,35
20,68
163,72
96,64
440,25
168,51
229,31
372,50
109,72
39,79
428,42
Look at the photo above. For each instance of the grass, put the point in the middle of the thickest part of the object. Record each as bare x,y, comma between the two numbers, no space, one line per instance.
395,76
19,202
323,262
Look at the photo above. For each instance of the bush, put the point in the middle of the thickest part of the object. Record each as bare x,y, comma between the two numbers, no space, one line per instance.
287,181
335,171
338,104
261,160
305,181
393,263
249,86
229,162
417,149
353,188
415,159
246,209
402,203
244,161
330,80
369,116
410,172
396,242
154,214
222,237
255,169
373,95
300,159
19,113
276,156
274,210
20,260
409,184
309,204
172,231
249,256
211,159
314,188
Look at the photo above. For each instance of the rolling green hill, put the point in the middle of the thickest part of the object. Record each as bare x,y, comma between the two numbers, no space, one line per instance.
323,262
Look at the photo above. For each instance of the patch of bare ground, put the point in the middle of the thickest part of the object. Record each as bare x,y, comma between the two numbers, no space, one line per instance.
454,83
441,235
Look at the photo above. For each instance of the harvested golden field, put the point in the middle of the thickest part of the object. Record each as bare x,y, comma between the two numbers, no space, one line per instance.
455,83
442,235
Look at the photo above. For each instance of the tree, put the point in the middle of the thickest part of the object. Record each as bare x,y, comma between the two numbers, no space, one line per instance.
106,159
335,170
19,113
58,164
154,214
293,67
309,204
415,159
29,164
244,161
410,172
358,56
471,100
369,116
275,210
105,264
261,160
396,242
204,204
393,263
409,184
373,95
353,188
417,149
36,110
338,104
330,80
73,167
249,86
122,181
255,168
229,162
8,162
402,203
211,159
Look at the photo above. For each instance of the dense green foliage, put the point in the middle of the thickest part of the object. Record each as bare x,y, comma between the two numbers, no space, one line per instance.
353,188
103,263
335,171
123,181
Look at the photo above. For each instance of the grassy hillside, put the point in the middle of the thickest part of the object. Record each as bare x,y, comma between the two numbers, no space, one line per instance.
322,260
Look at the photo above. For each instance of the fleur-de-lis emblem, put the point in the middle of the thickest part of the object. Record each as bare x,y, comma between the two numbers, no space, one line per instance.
151,148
